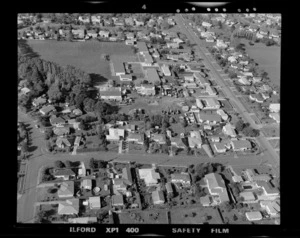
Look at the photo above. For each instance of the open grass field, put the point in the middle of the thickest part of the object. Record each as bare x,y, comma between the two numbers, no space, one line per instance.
145,215
195,215
44,195
275,143
271,131
84,55
268,58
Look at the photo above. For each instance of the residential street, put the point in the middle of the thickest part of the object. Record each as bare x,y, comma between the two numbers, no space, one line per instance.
216,71
39,158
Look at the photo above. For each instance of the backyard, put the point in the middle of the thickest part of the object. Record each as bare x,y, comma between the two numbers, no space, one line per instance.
84,55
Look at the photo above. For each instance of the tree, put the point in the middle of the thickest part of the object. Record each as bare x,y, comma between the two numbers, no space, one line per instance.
239,126
68,164
92,163
59,164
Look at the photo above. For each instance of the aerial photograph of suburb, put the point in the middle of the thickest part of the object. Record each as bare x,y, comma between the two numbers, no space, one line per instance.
148,118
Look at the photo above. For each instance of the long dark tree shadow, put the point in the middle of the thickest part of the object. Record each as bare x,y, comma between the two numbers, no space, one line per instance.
98,79
26,50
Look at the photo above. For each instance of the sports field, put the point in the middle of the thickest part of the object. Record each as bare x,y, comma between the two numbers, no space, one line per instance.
84,55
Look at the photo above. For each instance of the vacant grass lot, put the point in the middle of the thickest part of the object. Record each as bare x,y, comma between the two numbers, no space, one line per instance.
84,55
275,143
271,131
268,58
195,215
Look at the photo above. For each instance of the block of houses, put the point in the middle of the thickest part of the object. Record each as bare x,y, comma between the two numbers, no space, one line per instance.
216,187
66,189
86,184
117,201
150,177
62,142
241,145
65,174
182,178
158,197
229,130
68,207
254,216
47,109
94,202
115,134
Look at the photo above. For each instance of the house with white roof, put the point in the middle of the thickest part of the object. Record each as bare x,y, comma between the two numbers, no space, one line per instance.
150,177
115,134
166,70
240,145
211,103
228,129
274,107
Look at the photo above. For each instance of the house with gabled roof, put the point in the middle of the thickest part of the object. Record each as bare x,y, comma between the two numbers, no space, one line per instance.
117,200
149,176
47,109
60,131
229,130
158,197
65,174
66,189
94,202
62,142
68,207
39,101
240,145
183,178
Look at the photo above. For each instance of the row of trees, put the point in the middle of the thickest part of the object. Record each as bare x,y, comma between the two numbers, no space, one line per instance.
246,129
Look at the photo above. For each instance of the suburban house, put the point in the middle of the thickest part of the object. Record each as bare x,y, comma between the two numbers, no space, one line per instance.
206,24
126,77
61,131
244,81
115,134
120,185
57,121
222,114
166,70
256,97
272,207
118,66
216,187
66,189
228,129
146,89
25,90
82,220
248,197
77,141
149,176
117,201
211,91
126,174
68,207
134,137
142,47
169,187
182,178
111,93
39,101
65,174
240,145
269,191
222,147
175,141
62,142
194,142
207,201
275,116
95,19
211,103
104,33
199,103
47,109
158,197
274,107
172,45
254,216
94,202
86,184
208,118
158,138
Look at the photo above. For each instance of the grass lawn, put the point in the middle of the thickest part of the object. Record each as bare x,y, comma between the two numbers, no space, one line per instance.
275,143
256,120
271,131
268,58
84,55
145,215
195,215
44,195
226,105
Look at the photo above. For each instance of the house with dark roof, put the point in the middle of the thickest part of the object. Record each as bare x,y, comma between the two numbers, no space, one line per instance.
126,174
117,201
57,121
207,118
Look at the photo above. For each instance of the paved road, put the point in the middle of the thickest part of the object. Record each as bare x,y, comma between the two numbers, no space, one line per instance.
216,71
